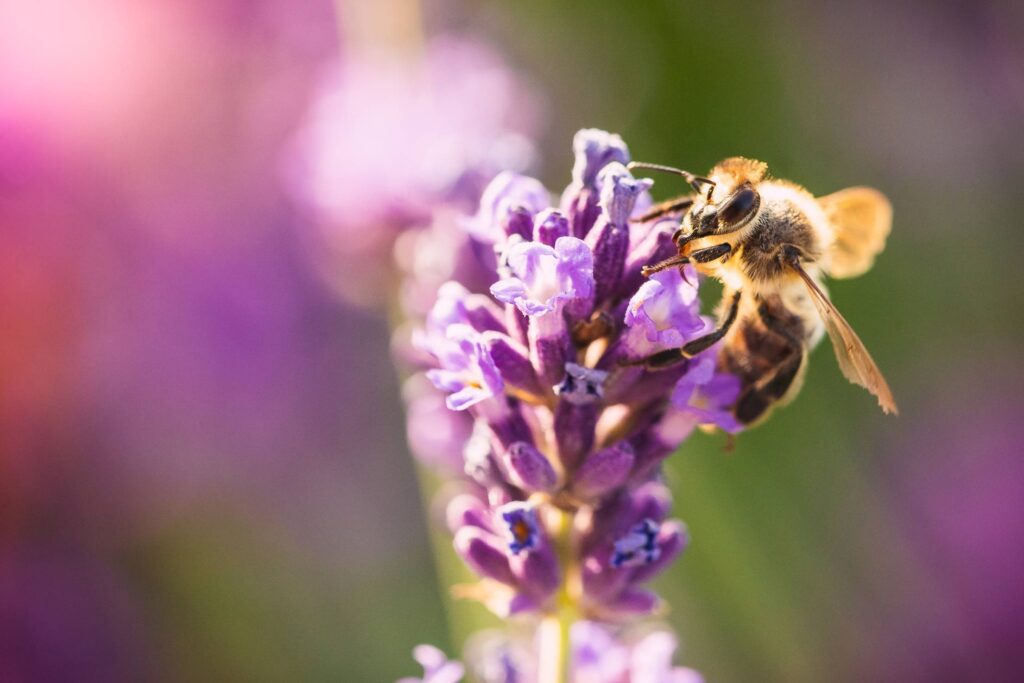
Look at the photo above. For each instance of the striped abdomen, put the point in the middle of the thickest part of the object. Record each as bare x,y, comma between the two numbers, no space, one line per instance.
766,350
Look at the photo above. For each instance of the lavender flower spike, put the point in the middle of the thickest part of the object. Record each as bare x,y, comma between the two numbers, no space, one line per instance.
560,509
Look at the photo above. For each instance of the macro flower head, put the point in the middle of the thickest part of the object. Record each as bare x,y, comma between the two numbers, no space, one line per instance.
561,498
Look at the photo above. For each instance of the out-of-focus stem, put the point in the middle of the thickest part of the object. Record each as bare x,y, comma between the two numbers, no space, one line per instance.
552,645
553,636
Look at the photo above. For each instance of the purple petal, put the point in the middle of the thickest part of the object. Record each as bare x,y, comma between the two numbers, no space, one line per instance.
512,362
508,290
619,192
483,554
575,265
549,225
537,572
467,510
604,470
635,601
506,192
446,380
594,149
528,468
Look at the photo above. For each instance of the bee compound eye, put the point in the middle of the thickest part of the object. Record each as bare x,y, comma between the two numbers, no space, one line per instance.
740,207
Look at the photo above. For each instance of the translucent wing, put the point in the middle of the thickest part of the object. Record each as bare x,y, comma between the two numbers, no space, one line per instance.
854,360
862,219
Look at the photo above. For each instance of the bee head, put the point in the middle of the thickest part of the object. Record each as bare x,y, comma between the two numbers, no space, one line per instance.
724,202
731,202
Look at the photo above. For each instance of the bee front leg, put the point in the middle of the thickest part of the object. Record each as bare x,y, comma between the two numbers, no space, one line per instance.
700,256
666,208
673,262
708,254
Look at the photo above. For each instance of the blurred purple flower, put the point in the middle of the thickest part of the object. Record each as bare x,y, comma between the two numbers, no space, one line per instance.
953,479
390,139
436,667
598,656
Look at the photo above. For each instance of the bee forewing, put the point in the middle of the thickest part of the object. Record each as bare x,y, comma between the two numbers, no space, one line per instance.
854,360
861,218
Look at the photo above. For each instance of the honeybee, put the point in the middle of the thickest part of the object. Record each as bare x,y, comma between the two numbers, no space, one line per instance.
769,242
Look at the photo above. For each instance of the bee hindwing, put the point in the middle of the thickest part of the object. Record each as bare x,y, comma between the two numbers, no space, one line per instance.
861,218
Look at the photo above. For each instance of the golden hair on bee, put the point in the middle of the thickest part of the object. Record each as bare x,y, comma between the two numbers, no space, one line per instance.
770,242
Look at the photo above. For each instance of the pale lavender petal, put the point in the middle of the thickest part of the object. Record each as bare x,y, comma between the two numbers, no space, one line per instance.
594,149
507,192
466,397
575,266
672,540
467,510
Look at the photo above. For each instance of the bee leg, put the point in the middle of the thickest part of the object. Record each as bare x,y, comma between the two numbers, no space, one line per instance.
669,357
700,256
677,205
658,361
708,340
709,254
678,260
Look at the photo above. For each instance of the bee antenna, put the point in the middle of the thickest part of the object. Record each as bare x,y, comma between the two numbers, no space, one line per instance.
695,181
